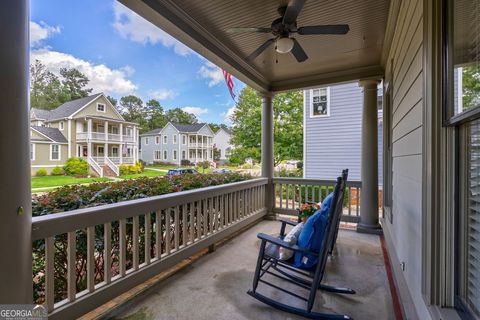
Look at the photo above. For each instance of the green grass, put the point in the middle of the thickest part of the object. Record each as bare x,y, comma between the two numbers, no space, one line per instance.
162,167
54,181
146,173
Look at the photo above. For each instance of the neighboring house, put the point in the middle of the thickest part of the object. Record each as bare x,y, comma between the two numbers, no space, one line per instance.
176,142
333,132
91,128
221,141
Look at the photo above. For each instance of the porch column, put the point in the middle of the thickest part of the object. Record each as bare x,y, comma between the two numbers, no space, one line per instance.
105,147
89,141
15,196
120,149
267,151
369,170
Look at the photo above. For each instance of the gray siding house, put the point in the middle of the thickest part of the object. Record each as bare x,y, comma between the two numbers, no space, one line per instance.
221,141
332,131
176,142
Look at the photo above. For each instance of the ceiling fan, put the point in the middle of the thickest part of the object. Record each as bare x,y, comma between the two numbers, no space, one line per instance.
284,26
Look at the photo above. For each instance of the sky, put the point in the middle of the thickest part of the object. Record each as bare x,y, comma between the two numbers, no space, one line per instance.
122,54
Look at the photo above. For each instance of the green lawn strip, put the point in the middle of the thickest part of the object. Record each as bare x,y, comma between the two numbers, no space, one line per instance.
57,181
161,167
146,173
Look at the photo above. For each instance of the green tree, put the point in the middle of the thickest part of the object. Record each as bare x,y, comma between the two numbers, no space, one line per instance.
215,127
46,91
288,126
74,83
471,86
133,110
155,115
112,100
180,116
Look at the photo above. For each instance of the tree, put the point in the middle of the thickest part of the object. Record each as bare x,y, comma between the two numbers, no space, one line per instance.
215,127
112,100
46,91
180,116
155,115
133,110
288,126
471,86
74,83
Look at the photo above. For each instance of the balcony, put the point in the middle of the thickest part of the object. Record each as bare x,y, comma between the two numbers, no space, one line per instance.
101,136
199,145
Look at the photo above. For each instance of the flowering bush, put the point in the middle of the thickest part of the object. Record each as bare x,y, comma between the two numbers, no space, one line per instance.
131,168
77,167
306,210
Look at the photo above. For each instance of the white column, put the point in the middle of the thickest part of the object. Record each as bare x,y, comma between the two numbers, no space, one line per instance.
105,148
69,133
369,170
120,150
15,196
134,149
267,150
89,141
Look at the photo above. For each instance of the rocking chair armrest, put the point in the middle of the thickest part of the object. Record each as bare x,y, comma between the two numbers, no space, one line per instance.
287,221
281,243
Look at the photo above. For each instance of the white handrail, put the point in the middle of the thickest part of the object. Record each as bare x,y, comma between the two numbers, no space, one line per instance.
112,166
95,166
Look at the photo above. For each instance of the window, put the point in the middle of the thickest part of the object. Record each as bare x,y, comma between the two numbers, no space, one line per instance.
165,155
174,154
100,107
157,140
114,151
157,155
184,139
174,139
461,94
61,125
55,152
146,141
165,139
320,102
32,151
183,155
100,151
114,130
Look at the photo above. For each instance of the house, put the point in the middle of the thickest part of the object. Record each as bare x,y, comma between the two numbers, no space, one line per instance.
90,128
335,111
176,142
431,211
221,141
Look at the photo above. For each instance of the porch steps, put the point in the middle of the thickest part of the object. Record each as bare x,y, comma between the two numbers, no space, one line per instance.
108,172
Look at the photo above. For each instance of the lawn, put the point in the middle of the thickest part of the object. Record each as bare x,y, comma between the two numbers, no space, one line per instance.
55,181
146,173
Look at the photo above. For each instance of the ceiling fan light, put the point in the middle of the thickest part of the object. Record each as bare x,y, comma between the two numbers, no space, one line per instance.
284,45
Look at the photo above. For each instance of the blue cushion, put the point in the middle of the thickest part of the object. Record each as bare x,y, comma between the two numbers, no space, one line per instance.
311,237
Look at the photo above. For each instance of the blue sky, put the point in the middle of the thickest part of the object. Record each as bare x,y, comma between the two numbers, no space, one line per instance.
123,54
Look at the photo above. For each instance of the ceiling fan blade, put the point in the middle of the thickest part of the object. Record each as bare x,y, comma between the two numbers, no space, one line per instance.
238,30
298,52
325,29
293,10
260,49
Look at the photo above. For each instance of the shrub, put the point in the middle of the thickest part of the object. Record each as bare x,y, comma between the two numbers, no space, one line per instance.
58,171
41,172
295,173
126,169
161,163
185,162
77,167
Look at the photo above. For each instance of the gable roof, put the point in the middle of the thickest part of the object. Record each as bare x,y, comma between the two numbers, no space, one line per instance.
227,130
188,127
40,113
152,132
70,107
51,133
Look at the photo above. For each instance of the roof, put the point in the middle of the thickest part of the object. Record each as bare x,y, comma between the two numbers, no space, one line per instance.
188,127
40,113
51,133
151,132
227,130
70,107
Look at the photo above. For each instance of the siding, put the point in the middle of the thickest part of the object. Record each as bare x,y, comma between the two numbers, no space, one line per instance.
333,143
221,140
407,121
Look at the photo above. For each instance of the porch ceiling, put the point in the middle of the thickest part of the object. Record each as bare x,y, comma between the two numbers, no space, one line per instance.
202,26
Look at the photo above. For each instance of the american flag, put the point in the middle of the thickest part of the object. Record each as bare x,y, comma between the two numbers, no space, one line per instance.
229,82
124,149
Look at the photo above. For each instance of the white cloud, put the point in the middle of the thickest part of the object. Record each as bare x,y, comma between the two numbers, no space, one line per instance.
163,94
212,73
133,27
227,116
41,31
102,78
197,111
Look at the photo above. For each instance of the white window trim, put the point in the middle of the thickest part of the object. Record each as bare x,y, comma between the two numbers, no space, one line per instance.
174,154
165,139
118,151
104,107
175,140
32,154
328,104
59,152
165,155
98,147
157,140
184,139
61,125
146,141
184,155
155,153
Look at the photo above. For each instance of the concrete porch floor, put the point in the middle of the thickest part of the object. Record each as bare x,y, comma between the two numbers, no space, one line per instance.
215,286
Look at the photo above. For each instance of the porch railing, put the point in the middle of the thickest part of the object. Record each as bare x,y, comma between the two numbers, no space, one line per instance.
291,192
127,160
112,166
126,243
96,167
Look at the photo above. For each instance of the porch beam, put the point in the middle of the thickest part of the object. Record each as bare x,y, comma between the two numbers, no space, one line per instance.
15,196
369,160
267,150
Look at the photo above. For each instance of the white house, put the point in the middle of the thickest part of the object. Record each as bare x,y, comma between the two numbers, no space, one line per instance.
221,141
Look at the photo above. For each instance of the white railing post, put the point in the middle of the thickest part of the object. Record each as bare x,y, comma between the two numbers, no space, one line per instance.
120,151
267,150
15,197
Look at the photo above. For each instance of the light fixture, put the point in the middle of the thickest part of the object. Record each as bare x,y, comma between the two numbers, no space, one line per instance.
284,45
